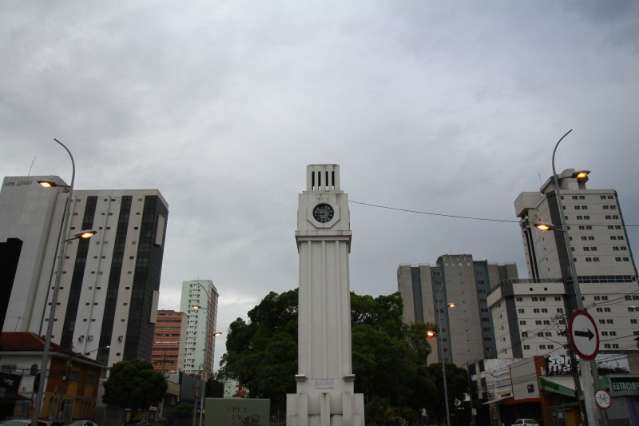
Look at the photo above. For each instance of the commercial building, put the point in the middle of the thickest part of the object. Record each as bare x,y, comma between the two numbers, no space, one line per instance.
169,329
466,329
109,288
542,388
71,388
531,314
199,304
32,214
596,233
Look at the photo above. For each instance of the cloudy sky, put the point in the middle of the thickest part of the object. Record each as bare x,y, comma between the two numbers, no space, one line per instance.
446,106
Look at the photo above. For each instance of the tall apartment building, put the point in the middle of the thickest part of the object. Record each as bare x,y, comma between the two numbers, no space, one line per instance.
9,257
596,232
531,313
199,303
109,288
467,333
170,326
530,316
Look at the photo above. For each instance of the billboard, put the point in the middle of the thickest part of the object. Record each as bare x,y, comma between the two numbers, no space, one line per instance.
237,412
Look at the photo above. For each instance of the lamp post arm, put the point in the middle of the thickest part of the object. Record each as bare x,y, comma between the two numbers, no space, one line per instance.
60,251
56,140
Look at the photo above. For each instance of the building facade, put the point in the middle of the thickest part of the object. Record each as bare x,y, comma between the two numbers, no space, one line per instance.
71,388
33,214
108,295
199,304
467,332
531,314
596,232
169,328
9,258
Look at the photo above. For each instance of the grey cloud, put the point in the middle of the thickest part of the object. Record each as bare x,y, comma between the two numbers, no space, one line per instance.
427,105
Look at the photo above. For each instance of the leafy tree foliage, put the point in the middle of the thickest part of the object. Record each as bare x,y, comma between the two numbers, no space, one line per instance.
389,358
135,385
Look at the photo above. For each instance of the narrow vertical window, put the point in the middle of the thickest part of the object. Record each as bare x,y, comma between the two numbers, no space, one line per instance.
312,180
333,179
319,180
327,183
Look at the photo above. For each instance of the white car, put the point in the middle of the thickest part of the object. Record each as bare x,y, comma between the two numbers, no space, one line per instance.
22,422
83,423
525,422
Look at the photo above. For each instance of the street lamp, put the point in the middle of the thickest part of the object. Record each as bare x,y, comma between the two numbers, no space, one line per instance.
63,237
586,404
430,333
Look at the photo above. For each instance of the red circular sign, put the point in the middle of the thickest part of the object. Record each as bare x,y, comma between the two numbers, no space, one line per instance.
583,334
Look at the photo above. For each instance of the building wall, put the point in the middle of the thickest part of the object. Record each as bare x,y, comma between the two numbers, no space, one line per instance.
102,278
464,328
597,233
69,379
9,258
467,331
198,342
537,324
32,214
169,328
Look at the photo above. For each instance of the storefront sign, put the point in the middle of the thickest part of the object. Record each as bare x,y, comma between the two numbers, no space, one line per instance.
557,365
624,385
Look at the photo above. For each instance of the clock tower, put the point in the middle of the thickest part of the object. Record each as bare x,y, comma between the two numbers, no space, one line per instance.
325,381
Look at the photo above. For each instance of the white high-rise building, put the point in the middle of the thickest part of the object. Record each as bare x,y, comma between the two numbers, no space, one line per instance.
529,315
199,303
597,235
109,289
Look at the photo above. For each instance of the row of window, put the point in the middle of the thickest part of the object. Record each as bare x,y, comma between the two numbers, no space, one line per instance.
538,310
538,299
542,346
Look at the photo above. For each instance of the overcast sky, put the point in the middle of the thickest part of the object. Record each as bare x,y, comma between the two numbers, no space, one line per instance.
447,106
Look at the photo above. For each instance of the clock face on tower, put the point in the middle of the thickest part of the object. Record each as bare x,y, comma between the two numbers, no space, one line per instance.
323,213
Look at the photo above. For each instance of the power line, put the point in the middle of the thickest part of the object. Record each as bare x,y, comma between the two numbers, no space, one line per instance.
431,213
463,217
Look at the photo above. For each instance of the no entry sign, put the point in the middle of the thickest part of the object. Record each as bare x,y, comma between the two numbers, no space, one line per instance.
584,336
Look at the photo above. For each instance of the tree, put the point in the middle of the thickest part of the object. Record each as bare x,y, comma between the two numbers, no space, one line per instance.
457,383
389,357
214,387
134,385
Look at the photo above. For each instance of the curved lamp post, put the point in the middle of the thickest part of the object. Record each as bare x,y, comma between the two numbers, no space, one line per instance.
436,333
63,238
585,397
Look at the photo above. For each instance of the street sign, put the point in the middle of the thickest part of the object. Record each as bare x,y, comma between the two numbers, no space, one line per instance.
584,336
603,400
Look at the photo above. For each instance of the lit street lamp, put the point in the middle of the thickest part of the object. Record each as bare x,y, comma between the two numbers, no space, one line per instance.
585,394
430,333
63,238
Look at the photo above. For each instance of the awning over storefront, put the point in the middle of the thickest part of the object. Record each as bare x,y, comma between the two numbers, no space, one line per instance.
560,385
498,399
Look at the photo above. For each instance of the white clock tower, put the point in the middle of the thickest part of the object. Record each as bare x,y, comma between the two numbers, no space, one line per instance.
325,381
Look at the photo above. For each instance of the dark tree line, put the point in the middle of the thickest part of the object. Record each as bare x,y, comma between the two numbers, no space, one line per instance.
389,359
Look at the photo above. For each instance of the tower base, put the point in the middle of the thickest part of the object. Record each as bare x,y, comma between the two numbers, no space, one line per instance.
325,409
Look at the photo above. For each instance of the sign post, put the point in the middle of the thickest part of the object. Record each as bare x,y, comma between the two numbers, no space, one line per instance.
584,336
603,400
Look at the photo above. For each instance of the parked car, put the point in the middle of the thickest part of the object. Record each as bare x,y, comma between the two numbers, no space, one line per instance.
83,423
525,422
22,422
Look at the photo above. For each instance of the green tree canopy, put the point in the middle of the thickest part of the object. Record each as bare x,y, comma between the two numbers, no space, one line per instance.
389,357
135,385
